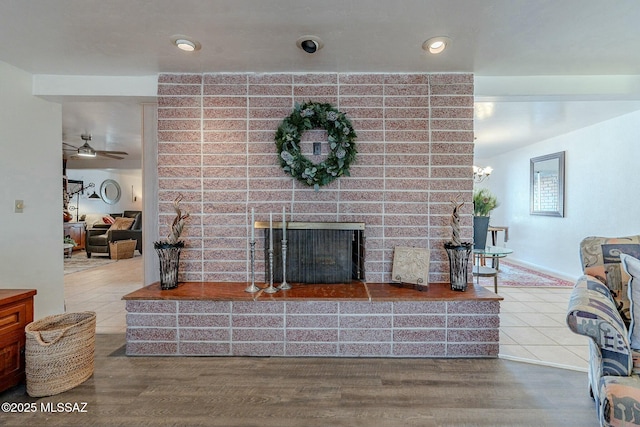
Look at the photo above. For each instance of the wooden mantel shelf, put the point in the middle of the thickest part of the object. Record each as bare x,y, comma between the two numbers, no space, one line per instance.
354,291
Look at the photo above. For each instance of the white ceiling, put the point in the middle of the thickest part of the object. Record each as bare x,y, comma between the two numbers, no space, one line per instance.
489,38
113,126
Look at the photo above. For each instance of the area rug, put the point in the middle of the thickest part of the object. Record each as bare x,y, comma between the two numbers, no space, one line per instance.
79,262
514,275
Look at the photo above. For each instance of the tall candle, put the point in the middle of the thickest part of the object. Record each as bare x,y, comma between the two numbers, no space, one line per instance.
253,225
270,231
284,224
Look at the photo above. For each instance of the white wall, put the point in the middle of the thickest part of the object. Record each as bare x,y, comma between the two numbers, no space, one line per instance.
602,189
31,165
130,181
150,225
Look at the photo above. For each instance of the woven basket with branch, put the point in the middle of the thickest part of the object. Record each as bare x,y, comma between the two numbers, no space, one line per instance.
169,250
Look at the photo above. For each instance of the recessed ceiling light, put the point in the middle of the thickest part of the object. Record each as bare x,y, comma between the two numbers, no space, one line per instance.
310,44
185,43
436,45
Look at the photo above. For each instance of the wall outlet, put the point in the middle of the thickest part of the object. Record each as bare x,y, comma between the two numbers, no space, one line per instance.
19,206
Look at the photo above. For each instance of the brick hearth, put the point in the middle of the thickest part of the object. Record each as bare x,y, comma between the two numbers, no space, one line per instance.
337,320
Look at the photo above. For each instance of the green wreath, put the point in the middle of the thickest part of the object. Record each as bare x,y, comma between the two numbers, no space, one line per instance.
340,136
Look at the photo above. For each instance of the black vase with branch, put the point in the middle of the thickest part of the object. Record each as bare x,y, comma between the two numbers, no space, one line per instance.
458,252
169,250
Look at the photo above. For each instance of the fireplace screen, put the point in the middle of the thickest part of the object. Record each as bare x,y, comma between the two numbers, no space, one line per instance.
318,255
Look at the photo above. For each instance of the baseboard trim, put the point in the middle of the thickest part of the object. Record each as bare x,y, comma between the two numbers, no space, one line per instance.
542,363
541,269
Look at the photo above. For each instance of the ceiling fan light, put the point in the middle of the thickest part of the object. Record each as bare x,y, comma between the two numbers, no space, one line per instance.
86,151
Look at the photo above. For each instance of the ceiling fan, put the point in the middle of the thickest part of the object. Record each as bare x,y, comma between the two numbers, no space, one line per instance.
87,151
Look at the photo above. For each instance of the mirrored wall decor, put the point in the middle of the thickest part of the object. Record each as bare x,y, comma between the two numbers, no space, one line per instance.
547,185
110,191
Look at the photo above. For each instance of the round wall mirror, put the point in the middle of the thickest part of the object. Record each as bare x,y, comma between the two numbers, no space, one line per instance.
110,191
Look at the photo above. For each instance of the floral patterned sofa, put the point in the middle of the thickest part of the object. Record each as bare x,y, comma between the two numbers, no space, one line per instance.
608,318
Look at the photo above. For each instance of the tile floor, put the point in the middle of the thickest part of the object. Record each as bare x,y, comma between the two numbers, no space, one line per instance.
101,289
532,320
533,328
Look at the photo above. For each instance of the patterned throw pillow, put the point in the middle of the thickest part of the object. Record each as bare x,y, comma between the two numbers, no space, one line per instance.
122,223
631,266
600,257
108,219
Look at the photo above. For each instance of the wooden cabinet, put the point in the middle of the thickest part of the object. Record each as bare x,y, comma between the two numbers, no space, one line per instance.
77,232
16,311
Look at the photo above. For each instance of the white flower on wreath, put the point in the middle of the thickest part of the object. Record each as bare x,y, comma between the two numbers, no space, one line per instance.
332,116
309,172
287,157
307,112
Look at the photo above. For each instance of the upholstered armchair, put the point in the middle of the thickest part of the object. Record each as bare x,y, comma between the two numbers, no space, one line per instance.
613,378
99,237
602,308
600,258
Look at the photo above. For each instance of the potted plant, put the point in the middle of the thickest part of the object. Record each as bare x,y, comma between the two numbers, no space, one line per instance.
169,250
457,251
483,203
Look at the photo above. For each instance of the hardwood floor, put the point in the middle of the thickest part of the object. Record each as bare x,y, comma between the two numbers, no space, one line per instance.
300,392
309,392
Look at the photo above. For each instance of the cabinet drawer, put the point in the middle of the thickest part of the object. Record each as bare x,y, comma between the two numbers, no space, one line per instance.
13,317
11,355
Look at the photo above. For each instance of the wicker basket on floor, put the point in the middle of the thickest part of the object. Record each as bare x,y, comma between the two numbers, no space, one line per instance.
59,352
122,249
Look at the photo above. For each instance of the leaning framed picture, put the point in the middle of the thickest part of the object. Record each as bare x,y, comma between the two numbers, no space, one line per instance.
410,265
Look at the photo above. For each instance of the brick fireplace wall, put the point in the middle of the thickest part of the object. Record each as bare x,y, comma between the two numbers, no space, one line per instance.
216,148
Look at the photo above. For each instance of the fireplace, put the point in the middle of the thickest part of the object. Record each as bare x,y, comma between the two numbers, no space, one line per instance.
317,252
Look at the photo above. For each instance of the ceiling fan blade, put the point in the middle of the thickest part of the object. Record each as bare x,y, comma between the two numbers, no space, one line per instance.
112,152
87,151
110,156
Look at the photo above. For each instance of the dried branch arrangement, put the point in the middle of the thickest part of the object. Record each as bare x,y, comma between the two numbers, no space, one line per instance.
455,222
178,222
